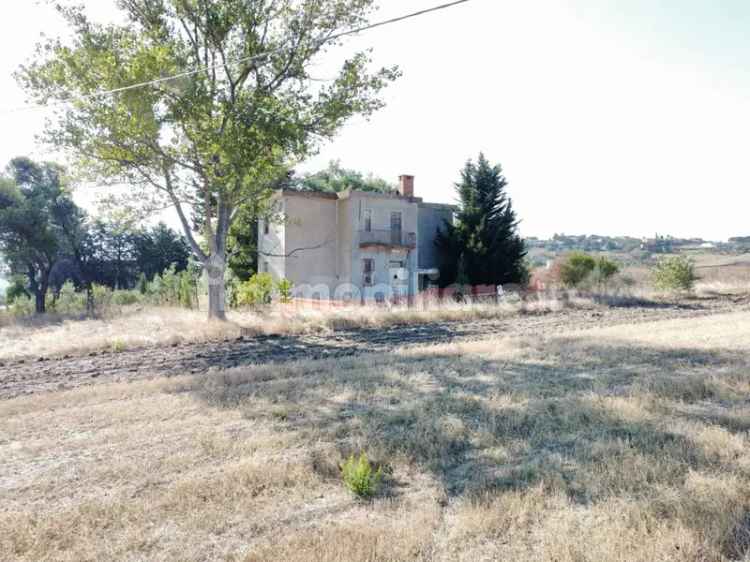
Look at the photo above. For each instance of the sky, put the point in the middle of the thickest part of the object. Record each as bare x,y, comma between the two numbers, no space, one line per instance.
608,117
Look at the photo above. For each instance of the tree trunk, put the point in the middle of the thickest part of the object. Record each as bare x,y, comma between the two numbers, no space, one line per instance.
216,291
39,288
90,303
41,305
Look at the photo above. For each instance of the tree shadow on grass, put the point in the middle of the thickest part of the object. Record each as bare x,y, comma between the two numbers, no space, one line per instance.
477,423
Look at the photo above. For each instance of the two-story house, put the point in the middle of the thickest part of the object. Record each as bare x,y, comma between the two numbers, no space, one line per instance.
353,245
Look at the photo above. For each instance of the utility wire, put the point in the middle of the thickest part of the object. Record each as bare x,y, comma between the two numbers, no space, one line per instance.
252,58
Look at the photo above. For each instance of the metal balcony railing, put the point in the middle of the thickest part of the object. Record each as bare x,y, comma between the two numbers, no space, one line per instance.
387,238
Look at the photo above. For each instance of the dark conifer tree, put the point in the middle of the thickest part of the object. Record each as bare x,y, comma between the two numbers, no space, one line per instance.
485,232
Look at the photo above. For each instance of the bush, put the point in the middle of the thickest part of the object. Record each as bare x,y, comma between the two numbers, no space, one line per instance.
360,477
16,289
22,306
68,300
102,296
125,298
172,288
576,268
676,273
579,268
256,291
284,287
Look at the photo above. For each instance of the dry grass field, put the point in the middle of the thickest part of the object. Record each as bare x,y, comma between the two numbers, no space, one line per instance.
149,326
627,443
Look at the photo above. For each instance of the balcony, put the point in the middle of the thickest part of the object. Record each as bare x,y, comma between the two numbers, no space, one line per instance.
387,238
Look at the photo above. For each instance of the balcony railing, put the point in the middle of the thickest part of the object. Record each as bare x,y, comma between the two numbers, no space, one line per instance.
387,238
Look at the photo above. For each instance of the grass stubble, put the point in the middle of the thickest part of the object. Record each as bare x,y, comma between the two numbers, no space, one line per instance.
627,443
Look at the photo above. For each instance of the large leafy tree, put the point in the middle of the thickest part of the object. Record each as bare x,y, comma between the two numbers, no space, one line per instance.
214,139
482,246
31,196
157,249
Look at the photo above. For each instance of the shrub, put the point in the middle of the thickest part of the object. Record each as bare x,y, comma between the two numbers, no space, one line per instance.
576,267
16,289
255,291
68,300
360,477
187,289
125,298
676,273
604,270
102,296
284,287
22,306
579,268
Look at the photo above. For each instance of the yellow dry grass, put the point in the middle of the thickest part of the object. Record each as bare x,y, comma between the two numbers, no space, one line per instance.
624,444
146,326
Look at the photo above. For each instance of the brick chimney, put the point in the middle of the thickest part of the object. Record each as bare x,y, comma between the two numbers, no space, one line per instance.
406,186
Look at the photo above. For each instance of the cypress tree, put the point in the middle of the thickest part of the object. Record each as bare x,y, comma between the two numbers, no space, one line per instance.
485,234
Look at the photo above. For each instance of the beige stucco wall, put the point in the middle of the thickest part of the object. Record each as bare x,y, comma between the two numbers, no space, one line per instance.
311,239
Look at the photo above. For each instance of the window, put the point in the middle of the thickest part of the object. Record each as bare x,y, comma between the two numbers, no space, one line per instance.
368,271
396,228
266,226
264,267
368,220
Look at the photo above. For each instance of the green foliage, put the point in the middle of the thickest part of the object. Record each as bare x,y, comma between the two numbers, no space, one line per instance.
186,290
284,288
221,137
69,301
337,179
15,290
125,298
22,306
360,477
32,199
576,268
142,284
485,233
256,291
173,288
579,268
675,273
118,346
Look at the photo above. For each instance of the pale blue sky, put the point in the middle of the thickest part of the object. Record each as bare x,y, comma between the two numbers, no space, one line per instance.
614,117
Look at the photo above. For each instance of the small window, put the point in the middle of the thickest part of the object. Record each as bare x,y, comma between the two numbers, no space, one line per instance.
264,267
266,226
368,220
368,271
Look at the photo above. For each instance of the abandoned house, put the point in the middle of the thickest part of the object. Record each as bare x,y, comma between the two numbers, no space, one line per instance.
353,245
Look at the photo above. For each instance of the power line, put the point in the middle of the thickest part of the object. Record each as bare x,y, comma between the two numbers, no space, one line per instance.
252,58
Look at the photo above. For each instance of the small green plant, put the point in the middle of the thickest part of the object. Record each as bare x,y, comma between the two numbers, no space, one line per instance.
675,273
284,287
118,346
256,291
360,476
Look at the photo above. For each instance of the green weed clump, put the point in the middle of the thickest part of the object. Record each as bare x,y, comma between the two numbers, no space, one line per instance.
360,476
675,274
